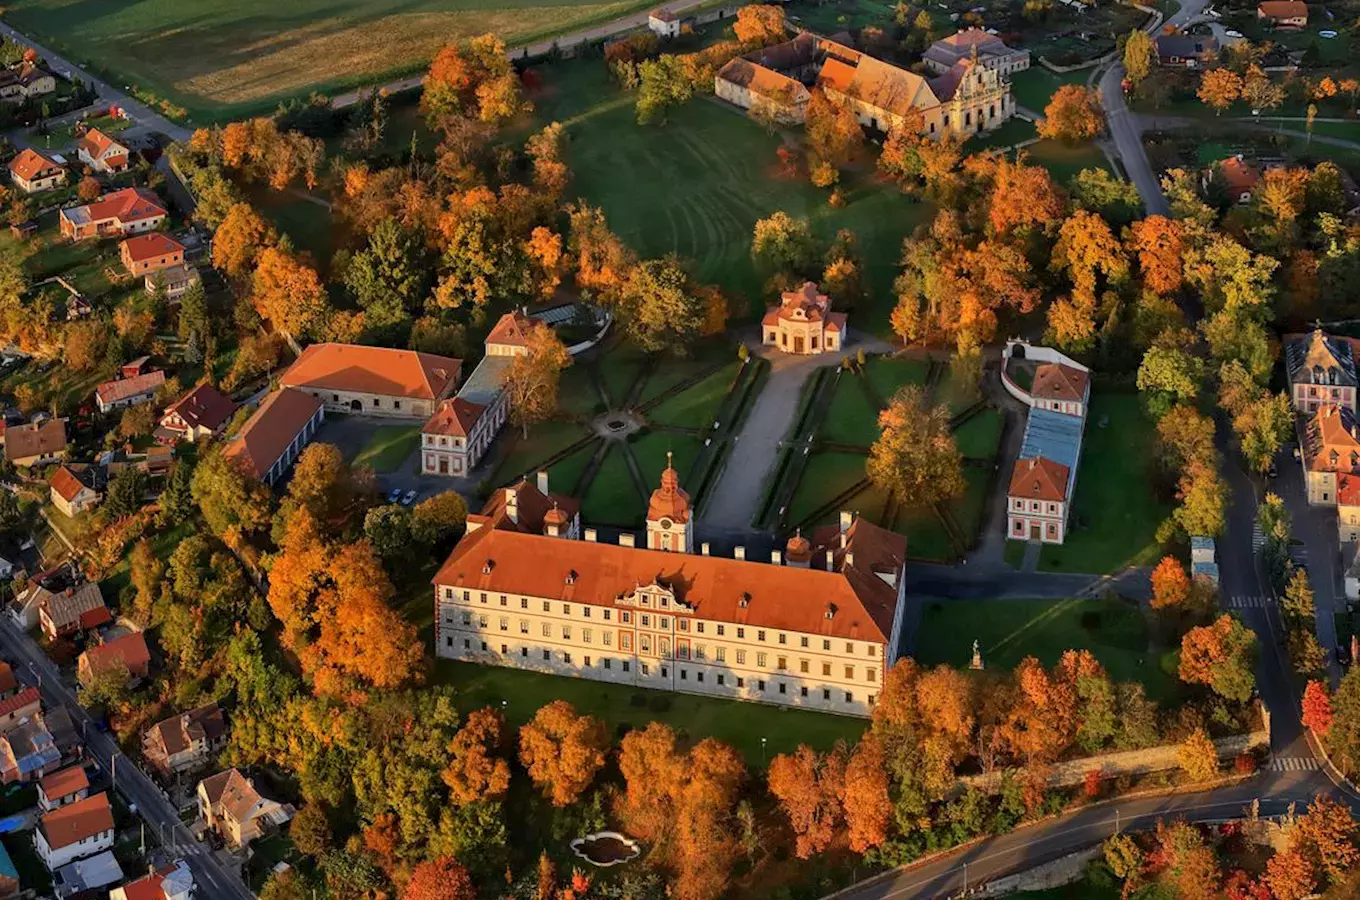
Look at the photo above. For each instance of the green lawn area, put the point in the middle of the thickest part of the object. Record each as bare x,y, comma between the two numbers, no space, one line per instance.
979,437
826,476
885,375
545,441
1034,87
576,393
618,368
969,508
696,406
612,498
224,59
310,225
564,474
650,452
1115,517
672,370
388,447
852,417
1008,135
1009,630
65,134
520,694
725,172
1348,130
1063,161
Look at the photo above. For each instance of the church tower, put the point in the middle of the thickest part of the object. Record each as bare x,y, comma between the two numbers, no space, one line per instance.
670,520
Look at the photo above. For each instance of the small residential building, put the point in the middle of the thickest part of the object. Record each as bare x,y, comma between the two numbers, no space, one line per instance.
134,367
989,49
33,171
272,438
36,444
83,876
75,831
663,22
127,652
1204,559
1061,388
1239,178
125,392
63,787
202,413
19,707
230,805
75,609
1185,51
185,742
102,153
803,323
76,488
131,210
173,281
173,882
27,79
146,253
373,381
1321,370
1283,14
1330,449
457,436
58,723
27,752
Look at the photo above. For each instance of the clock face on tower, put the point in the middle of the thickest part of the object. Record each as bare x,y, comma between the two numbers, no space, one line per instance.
665,523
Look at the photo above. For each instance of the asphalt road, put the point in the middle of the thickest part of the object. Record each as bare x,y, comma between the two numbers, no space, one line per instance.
211,880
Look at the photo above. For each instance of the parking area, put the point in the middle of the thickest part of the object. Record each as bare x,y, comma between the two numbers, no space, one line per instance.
391,447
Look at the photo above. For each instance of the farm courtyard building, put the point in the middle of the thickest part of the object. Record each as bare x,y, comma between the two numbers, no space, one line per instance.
968,97
374,381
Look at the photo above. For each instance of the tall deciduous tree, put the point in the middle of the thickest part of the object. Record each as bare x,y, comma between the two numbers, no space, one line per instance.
1139,55
532,378
865,797
1221,656
808,787
1197,756
562,751
1317,708
289,293
439,879
662,308
474,771
1170,584
1220,88
915,455
1073,115
759,24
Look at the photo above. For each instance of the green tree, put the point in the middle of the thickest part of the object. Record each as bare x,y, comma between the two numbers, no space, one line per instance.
915,456
1343,740
177,500
389,277
126,493
661,308
1168,376
784,244
438,519
664,83
228,497
1116,200
389,528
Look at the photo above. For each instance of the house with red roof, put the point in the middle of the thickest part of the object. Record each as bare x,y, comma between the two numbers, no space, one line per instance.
202,413
664,22
1285,14
275,434
128,211
75,609
1238,176
33,171
75,488
170,882
63,787
18,708
803,323
147,253
127,652
125,392
373,381
75,831
102,153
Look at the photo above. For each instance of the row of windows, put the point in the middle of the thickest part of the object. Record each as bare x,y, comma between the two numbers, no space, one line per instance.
663,647
1036,506
565,658
662,622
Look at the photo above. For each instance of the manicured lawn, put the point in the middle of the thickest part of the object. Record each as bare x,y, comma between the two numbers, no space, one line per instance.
1034,87
65,134
310,225
979,437
696,406
885,375
618,368
565,474
1015,553
970,506
520,694
1009,630
225,58
852,417
576,393
389,447
650,453
1063,161
826,476
1008,135
545,441
670,371
1115,516
612,498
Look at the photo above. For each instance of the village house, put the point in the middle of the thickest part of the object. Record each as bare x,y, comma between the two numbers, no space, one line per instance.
75,831
185,742
373,381
27,752
19,707
272,438
76,488
663,22
229,804
63,787
128,211
1284,14
32,171
1238,177
1185,51
1039,495
35,444
990,50
1329,447
125,392
73,610
803,323
102,153
1321,369
87,877
27,79
127,652
170,882
173,281
147,253
811,628
457,436
202,413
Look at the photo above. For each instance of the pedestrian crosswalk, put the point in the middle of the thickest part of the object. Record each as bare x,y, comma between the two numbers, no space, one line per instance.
1258,539
1237,602
1294,764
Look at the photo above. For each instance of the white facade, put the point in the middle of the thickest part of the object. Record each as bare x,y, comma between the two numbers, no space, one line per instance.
55,859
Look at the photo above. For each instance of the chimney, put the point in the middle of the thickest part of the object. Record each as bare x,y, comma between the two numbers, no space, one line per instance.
849,558
590,535
738,552
512,504
776,557
543,482
847,519
831,560
626,539
703,549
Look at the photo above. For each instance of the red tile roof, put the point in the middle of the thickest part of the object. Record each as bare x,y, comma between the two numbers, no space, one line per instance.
66,484
1239,175
7,680
23,441
26,697
513,328
123,388
1283,9
1331,441
149,246
65,782
78,821
268,432
93,618
1055,381
130,650
204,407
1038,478
454,416
31,163
127,205
372,370
531,508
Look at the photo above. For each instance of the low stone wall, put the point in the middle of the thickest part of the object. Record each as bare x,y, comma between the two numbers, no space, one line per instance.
1057,873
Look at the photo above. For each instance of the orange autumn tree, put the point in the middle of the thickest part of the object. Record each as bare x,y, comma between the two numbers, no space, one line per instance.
1317,708
1220,88
706,845
1197,756
651,769
1221,656
1073,115
289,293
834,138
1043,721
532,378
474,771
599,260
1327,837
1158,244
865,796
1022,196
472,78
1170,584
440,879
808,787
759,24
1290,876
562,751
240,238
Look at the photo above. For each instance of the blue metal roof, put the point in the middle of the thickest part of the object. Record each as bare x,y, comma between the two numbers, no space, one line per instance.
1054,436
7,865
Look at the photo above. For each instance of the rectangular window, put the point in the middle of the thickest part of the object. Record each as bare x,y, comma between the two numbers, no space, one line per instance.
585,635
566,632
849,697
871,674
547,655
849,673
523,652
741,682
587,662
608,638
665,623
826,670
849,649
482,621
741,657
547,607
467,618
566,609
722,630
646,621
826,693
627,665
523,626
699,627
781,663
626,642
585,612
684,675
826,645
803,642
505,623
803,666
741,634
626,617
547,630
608,663
760,684
483,596
783,638
761,660
760,635
783,688
566,658
523,602
699,676
720,654
722,679
645,644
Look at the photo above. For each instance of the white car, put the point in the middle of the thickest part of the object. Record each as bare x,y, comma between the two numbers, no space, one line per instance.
1233,34
394,495
1329,34
408,498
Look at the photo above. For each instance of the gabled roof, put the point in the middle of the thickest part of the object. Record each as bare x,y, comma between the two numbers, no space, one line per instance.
149,246
27,697
67,607
67,483
372,370
96,144
663,14
883,86
454,416
1331,441
1037,478
531,508
764,82
1239,175
1283,9
204,407
1320,358
123,388
64,782
512,329
31,163
270,429
131,204
1055,381
23,441
129,651
77,821
236,794
177,733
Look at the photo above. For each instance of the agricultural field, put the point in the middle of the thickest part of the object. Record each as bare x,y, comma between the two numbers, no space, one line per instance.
222,59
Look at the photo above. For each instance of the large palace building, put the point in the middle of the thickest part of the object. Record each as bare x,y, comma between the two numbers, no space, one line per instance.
813,627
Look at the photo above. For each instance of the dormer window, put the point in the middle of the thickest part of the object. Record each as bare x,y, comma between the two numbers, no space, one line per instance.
745,600
488,566
571,576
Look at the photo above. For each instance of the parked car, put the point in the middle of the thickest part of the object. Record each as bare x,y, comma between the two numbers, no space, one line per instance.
1343,654
408,498
394,495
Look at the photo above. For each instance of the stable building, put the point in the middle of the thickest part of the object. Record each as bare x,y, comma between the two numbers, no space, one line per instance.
275,434
373,381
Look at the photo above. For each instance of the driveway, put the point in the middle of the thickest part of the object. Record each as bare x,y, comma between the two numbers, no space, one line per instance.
351,435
